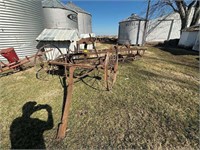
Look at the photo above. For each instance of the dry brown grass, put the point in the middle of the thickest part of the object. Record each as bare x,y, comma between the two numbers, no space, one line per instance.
154,105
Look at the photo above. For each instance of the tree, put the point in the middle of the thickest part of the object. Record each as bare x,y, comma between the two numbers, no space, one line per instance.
183,7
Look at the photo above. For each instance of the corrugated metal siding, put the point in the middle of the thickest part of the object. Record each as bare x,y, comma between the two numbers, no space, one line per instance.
84,23
60,18
84,19
58,35
21,21
131,32
76,8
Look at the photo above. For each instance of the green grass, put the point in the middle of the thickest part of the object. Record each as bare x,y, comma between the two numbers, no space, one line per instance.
153,105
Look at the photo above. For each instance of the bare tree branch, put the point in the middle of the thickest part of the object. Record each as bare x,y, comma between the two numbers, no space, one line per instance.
171,5
196,15
182,7
192,4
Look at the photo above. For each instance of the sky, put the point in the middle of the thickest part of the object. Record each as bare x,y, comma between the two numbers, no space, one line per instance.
106,15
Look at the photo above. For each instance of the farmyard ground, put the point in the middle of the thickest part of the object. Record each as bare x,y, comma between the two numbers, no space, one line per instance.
154,104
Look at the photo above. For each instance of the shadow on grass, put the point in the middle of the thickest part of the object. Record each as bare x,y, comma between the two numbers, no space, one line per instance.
176,50
90,79
158,77
27,132
188,64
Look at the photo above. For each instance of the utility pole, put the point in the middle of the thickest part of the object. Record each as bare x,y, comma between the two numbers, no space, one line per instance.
145,24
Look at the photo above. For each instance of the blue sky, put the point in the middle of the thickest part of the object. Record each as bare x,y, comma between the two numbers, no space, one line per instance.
107,14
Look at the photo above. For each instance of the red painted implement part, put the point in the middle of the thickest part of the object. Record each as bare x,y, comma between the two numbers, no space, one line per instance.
13,59
10,54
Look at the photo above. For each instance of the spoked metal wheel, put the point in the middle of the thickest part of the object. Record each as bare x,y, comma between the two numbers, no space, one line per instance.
45,54
110,70
93,80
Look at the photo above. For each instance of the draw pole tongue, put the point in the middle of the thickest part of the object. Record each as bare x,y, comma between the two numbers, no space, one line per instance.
61,131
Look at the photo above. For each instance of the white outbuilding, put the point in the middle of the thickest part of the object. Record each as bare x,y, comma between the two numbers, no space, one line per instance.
64,39
190,38
164,28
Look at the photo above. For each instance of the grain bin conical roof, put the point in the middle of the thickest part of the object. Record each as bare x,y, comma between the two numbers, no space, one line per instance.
76,8
133,17
54,4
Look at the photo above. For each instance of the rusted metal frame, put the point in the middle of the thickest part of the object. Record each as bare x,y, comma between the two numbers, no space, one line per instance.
40,53
87,56
15,65
94,47
90,40
9,64
1,66
89,59
110,73
119,51
64,119
84,75
86,40
70,80
106,70
86,66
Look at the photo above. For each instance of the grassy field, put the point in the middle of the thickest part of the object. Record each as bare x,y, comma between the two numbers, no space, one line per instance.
153,105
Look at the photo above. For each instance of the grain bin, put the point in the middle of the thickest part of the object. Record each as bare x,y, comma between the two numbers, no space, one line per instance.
21,21
56,15
84,19
131,30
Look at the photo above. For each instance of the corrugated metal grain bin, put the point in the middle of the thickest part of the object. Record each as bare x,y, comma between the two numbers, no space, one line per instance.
84,19
21,21
56,15
131,30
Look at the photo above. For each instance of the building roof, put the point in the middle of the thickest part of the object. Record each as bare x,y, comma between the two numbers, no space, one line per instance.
58,35
133,17
76,8
54,4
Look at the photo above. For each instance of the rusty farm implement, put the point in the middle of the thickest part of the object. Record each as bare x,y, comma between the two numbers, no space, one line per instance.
14,63
77,65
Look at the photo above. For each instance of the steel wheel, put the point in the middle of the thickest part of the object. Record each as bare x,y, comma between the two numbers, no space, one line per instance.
110,70
45,54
